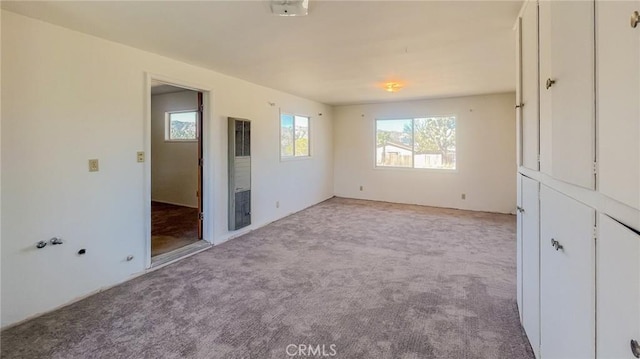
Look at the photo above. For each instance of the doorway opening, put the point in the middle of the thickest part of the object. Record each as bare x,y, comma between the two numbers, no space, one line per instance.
176,171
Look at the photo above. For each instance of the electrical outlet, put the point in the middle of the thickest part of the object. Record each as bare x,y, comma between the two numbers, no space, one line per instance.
463,196
277,204
140,156
361,188
94,165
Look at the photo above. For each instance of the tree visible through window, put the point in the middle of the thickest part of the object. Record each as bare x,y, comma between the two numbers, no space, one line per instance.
428,142
181,126
294,136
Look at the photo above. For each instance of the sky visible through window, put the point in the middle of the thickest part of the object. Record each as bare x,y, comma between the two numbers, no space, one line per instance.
393,125
287,121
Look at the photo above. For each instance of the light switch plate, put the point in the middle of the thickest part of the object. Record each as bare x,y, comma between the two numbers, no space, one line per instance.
94,165
140,156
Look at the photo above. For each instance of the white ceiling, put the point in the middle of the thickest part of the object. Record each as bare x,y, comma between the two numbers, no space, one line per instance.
341,53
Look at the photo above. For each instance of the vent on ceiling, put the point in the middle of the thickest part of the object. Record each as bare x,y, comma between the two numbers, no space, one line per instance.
290,7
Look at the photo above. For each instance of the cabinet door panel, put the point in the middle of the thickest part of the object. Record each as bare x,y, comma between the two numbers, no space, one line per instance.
544,31
618,281
567,277
519,252
529,68
531,261
519,100
618,71
567,105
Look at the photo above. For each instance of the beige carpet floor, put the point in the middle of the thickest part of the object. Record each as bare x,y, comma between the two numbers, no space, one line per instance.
375,280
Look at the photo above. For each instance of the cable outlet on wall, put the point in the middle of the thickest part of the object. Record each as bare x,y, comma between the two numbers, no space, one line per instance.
463,196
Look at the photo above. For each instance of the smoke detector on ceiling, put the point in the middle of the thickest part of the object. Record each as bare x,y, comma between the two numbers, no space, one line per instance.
290,7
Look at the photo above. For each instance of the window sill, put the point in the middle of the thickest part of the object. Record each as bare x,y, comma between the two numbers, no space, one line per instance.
181,141
293,159
411,169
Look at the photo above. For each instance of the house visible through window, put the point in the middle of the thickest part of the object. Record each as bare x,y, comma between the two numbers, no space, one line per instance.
294,136
428,142
181,126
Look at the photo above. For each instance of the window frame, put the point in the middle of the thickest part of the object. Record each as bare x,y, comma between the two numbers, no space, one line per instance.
293,157
167,127
412,167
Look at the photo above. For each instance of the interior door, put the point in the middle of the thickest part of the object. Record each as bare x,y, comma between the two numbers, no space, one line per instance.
567,277
200,164
618,51
567,93
618,288
530,214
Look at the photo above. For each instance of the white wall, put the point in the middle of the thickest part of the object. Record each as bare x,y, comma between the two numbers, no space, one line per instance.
174,165
486,163
68,97
0,165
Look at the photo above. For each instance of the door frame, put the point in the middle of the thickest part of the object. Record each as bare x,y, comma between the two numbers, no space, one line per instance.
207,181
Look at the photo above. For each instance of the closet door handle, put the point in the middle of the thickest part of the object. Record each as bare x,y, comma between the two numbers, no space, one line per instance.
520,209
635,20
556,244
635,348
550,83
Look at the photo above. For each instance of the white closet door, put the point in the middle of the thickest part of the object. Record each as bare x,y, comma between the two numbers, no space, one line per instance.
567,110
544,31
531,261
519,253
567,277
519,100
618,51
529,67
618,282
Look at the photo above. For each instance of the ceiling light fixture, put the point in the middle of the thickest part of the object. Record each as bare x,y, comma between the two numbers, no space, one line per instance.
392,86
290,7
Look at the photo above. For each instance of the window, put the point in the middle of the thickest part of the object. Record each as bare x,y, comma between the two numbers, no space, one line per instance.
294,136
428,142
181,126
